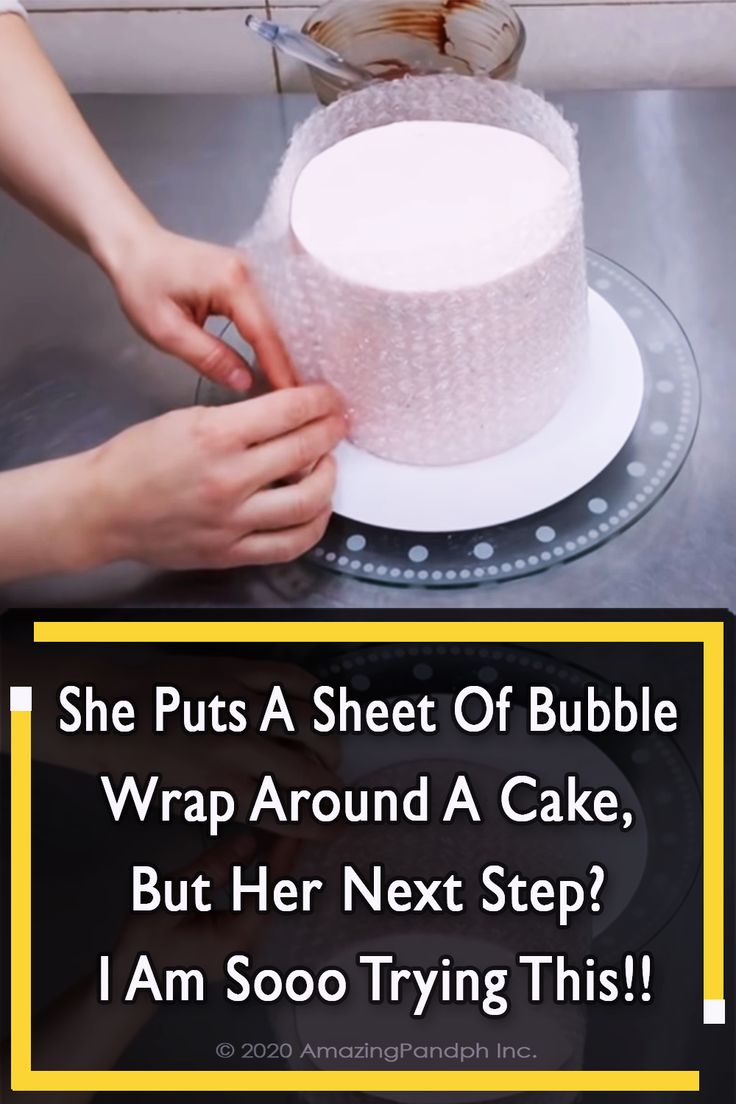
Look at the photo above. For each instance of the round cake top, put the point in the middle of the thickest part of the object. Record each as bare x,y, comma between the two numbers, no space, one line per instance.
427,205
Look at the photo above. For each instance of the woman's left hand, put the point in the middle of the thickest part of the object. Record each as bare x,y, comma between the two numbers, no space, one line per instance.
169,286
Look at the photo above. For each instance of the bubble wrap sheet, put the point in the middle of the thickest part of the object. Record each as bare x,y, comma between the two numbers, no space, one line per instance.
433,377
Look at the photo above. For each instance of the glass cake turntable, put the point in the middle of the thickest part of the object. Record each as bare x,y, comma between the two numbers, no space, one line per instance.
602,463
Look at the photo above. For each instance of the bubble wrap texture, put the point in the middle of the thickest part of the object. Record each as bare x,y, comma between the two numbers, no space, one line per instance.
432,377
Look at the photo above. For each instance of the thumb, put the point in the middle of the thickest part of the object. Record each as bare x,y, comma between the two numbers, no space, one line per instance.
243,306
267,346
211,357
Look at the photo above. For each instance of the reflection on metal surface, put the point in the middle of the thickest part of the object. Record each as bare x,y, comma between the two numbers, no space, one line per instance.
209,179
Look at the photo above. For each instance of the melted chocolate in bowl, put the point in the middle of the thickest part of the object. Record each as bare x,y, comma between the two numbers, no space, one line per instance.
392,40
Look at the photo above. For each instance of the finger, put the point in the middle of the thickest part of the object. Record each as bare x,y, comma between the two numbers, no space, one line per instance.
282,855
223,930
241,301
306,827
299,687
280,412
325,745
280,546
255,325
276,459
211,357
287,763
294,504
217,860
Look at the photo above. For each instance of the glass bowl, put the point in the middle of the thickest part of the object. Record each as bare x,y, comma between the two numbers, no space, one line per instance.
391,39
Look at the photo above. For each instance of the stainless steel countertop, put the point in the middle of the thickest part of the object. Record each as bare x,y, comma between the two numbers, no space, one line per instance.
659,179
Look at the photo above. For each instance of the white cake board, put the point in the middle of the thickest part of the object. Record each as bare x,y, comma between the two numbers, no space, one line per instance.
574,447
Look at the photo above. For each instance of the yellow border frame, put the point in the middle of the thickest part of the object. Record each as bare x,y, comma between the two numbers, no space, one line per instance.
707,633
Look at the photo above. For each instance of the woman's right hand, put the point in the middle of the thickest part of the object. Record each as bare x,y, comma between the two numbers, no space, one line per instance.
248,483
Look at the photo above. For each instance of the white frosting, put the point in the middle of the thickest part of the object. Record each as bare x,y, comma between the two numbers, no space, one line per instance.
440,284
430,205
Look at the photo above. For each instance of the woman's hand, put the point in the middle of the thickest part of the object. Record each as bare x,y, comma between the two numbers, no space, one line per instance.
249,483
169,286
303,759
183,758
204,939
76,1031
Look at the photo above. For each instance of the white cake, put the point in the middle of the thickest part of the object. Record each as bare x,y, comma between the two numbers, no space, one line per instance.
422,206
422,250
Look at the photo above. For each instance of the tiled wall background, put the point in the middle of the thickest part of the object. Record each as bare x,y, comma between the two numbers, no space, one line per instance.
200,45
